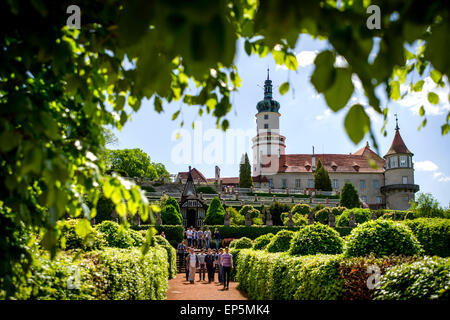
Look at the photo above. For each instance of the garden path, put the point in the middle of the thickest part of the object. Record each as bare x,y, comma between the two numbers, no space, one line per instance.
180,289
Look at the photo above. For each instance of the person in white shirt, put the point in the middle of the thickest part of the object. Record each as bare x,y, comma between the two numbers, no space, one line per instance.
189,234
192,259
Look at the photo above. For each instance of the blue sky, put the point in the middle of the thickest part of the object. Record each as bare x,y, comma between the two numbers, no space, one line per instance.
305,121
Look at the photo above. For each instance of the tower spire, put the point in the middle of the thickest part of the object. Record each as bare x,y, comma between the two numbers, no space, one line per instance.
268,87
268,74
396,122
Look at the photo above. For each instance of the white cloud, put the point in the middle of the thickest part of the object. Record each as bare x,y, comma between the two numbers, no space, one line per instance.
415,100
426,165
430,166
306,57
340,62
324,115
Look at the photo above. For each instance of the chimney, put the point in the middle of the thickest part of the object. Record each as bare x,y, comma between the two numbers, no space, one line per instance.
313,161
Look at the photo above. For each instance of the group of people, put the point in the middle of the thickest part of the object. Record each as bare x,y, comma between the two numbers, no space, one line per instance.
206,262
199,239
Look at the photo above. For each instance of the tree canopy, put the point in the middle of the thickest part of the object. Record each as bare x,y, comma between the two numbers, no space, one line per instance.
349,196
245,173
321,178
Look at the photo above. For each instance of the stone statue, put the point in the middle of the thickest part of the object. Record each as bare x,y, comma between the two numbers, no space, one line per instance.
226,218
269,221
331,220
158,218
352,222
256,198
310,218
137,219
114,216
236,196
290,222
248,218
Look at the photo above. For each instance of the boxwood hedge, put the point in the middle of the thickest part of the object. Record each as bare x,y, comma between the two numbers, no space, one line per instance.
433,234
261,242
171,255
380,238
174,234
281,242
251,232
316,238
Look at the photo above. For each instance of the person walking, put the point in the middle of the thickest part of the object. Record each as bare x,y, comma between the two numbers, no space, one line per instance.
207,237
194,238
193,261
189,237
180,253
163,235
200,238
227,263
219,264
201,266
217,238
210,264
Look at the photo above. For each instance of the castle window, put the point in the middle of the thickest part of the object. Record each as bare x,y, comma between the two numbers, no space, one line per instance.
297,183
364,199
405,180
378,199
271,183
310,183
284,183
335,183
403,162
376,184
266,116
393,162
362,184
410,161
266,126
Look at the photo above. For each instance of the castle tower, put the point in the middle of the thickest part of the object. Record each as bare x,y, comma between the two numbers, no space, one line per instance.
399,187
268,143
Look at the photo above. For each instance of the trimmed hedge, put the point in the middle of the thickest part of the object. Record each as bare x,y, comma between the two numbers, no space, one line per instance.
170,215
317,238
251,232
70,240
241,243
281,242
433,234
206,190
361,216
110,274
174,234
261,242
428,278
171,255
278,276
381,237
115,235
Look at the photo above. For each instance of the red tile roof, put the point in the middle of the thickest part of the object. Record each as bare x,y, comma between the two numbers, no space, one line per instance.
398,146
230,180
196,175
356,162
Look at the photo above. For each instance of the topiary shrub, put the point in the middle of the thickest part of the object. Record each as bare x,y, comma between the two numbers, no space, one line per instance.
281,242
276,209
428,278
165,201
138,238
433,234
299,219
316,238
69,238
318,207
337,211
215,213
381,238
261,242
171,255
115,235
105,208
361,216
242,243
410,215
396,215
170,215
301,208
322,215
148,188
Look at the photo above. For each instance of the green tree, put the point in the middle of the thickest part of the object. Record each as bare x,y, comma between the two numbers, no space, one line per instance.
349,196
215,213
170,201
132,163
321,179
427,206
170,215
245,173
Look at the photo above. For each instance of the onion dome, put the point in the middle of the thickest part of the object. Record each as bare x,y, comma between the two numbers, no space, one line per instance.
268,104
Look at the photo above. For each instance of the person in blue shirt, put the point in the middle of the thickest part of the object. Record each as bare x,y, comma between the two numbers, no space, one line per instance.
217,238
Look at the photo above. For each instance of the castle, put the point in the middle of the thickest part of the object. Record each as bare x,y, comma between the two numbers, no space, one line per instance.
389,184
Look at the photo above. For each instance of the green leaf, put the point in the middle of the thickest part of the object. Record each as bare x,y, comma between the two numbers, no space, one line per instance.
433,98
248,47
83,228
356,123
436,76
291,61
284,88
324,73
445,129
158,104
421,111
395,90
418,86
175,115
340,92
